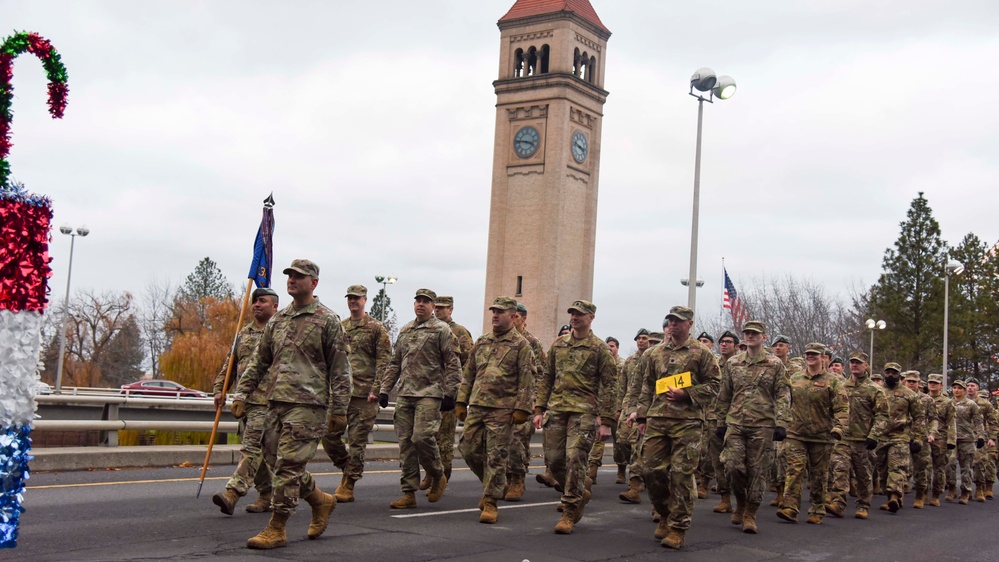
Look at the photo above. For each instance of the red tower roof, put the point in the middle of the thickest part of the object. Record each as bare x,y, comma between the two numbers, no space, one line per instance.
527,8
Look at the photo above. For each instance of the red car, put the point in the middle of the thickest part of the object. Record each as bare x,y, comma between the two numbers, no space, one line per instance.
159,387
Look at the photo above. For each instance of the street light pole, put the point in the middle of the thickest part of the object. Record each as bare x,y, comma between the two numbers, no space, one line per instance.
952,268
385,281
82,231
872,325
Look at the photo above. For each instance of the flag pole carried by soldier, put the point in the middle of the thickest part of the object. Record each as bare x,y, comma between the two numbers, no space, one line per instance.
753,409
303,356
905,431
577,396
520,447
970,435
922,462
251,470
370,353
494,396
679,382
426,367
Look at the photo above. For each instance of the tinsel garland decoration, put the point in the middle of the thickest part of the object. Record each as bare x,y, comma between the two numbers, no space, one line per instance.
14,457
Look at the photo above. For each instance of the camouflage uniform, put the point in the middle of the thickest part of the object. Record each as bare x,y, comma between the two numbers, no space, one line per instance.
498,378
868,420
251,470
754,398
427,368
301,367
711,465
819,411
597,452
579,386
970,428
520,446
370,353
634,368
942,425
449,423
673,431
906,424
779,471
922,462
984,469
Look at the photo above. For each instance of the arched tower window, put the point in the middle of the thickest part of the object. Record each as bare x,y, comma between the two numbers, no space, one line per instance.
545,52
584,67
591,75
575,62
532,61
518,63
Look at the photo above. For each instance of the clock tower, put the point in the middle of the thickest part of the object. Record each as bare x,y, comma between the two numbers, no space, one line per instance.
546,159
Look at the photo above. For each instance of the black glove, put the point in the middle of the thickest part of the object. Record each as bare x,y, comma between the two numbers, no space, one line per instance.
951,446
780,433
914,447
980,443
720,431
871,444
447,404
383,400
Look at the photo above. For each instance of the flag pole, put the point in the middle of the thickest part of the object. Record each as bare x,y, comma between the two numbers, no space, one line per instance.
225,384
721,309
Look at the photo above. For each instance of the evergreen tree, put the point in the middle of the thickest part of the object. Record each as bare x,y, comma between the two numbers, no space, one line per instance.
909,293
974,312
121,362
207,280
381,310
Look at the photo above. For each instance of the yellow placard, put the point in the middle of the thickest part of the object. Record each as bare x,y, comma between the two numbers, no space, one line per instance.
665,384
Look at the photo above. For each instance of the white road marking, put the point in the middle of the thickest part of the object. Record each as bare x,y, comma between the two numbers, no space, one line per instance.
474,509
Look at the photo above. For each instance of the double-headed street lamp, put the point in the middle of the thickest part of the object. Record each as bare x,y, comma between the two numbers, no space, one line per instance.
81,231
872,325
952,268
385,281
721,87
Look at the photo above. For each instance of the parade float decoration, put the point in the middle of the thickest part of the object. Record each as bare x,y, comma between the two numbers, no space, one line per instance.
25,221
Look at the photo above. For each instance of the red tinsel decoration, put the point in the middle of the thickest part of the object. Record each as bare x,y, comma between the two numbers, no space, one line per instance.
24,257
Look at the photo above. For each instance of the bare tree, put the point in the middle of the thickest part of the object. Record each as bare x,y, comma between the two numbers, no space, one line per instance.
157,309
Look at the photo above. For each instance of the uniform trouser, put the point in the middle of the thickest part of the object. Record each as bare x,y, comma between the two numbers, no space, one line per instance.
983,466
990,478
485,446
669,455
780,464
568,441
940,456
747,455
893,466
597,451
361,416
705,467
445,438
251,470
965,463
847,455
922,466
624,441
520,448
635,469
714,451
952,468
813,457
291,437
417,421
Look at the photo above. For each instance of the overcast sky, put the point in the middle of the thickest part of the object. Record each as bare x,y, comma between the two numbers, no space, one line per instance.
373,124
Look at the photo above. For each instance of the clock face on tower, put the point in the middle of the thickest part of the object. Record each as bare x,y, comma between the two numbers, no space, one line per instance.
526,141
580,148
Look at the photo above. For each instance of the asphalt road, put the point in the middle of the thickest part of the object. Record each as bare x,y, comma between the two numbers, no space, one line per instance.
148,514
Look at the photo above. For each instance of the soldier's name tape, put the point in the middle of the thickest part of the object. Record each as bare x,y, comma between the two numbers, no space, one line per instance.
666,384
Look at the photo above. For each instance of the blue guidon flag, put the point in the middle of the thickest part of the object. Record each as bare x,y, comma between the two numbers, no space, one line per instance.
263,247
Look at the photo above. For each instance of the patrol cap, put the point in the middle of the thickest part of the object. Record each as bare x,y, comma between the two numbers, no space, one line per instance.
959,382
877,377
305,267
641,332
755,326
583,307
859,356
613,339
521,309
935,377
426,293
446,301
781,339
706,335
681,313
912,376
983,394
729,334
972,380
657,336
815,347
357,291
827,352
837,360
499,303
263,292
893,366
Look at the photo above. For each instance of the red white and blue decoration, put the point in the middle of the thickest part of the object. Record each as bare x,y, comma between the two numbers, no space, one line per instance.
25,221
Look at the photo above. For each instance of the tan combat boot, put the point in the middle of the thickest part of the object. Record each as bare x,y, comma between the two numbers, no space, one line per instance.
861,512
662,529
876,488
988,491
262,504
894,503
548,479
436,491
323,505
622,474
965,496
725,505
980,494
489,513
578,514
749,519
515,490
702,489
634,492
787,514
935,502
740,511
226,500
273,535
951,493
814,519
919,501
674,539
565,524
591,473
345,491
426,482
777,500
407,501
834,509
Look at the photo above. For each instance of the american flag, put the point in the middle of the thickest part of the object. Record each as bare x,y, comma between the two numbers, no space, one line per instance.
732,302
